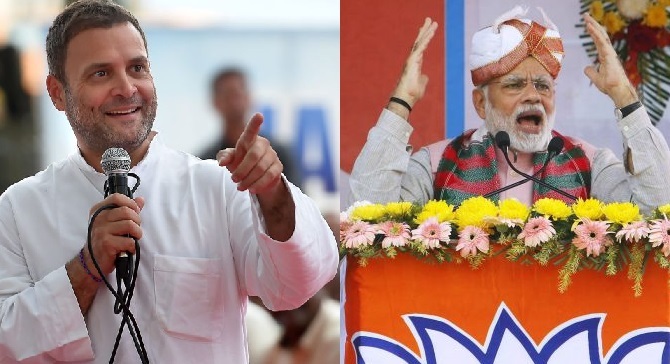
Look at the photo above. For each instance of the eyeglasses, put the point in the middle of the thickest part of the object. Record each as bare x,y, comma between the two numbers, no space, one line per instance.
515,85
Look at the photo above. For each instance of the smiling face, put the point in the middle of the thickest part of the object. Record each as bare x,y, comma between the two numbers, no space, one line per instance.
108,94
520,103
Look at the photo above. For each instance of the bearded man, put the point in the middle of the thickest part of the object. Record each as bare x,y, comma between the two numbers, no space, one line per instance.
513,65
211,234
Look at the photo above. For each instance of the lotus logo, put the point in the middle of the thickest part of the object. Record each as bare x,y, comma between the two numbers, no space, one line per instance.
576,341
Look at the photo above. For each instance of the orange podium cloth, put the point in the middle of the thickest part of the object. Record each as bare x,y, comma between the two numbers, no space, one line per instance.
405,310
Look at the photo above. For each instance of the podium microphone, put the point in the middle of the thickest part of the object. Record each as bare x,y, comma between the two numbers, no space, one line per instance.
554,148
116,165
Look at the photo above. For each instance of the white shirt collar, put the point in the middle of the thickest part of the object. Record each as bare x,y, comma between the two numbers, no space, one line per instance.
97,179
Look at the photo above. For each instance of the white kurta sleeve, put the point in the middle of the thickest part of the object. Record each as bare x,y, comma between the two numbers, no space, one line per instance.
40,321
385,170
642,179
284,274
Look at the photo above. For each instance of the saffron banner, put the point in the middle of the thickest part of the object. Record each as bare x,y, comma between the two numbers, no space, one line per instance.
405,310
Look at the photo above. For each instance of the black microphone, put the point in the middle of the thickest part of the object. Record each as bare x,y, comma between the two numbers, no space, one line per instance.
116,165
554,148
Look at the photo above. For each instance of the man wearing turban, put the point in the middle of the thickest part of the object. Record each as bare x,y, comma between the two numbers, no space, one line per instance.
513,66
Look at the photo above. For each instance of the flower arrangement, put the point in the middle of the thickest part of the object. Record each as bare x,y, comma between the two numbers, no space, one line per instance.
589,234
640,34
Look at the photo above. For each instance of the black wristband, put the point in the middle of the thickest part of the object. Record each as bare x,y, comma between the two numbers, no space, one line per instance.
628,109
401,102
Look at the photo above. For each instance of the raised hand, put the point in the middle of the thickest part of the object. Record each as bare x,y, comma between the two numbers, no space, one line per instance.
608,74
412,83
255,166
253,163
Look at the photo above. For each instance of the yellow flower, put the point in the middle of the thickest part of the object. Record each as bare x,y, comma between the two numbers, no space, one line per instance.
473,211
665,209
550,207
440,209
591,209
371,212
656,16
513,209
663,3
622,212
613,22
398,209
597,11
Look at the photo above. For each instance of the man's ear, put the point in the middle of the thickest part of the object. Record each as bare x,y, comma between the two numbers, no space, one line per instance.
56,92
479,101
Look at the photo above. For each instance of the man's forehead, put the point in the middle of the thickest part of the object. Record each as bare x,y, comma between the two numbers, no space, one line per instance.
104,45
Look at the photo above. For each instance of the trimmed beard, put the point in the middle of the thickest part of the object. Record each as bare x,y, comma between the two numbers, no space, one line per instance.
95,133
496,121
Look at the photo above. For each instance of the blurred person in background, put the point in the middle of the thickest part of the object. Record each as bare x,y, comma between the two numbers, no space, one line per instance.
297,336
309,334
232,101
211,234
18,157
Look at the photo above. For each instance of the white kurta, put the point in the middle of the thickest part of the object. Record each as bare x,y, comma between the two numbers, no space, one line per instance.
203,252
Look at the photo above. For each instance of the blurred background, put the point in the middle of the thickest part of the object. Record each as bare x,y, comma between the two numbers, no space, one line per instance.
289,51
289,54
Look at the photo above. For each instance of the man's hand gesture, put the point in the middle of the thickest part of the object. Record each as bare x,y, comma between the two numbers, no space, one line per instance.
412,83
255,166
253,163
608,74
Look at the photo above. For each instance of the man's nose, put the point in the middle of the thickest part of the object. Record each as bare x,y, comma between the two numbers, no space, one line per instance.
125,86
530,93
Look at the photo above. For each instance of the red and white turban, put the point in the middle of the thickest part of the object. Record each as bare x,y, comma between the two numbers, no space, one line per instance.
497,49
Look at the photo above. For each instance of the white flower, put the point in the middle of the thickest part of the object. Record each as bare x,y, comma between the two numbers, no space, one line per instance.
632,9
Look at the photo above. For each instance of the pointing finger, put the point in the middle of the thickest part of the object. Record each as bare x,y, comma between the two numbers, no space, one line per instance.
250,131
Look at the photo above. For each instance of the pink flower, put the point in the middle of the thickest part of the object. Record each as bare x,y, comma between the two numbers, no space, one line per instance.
659,233
359,233
345,224
472,238
592,236
633,231
537,230
431,232
396,233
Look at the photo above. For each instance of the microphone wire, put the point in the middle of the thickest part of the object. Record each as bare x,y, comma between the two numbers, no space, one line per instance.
550,155
503,142
123,298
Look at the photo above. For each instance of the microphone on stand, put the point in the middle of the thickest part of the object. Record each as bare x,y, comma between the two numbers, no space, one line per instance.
554,148
116,165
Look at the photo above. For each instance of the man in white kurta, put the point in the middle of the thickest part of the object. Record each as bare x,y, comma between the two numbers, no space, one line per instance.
210,234
204,250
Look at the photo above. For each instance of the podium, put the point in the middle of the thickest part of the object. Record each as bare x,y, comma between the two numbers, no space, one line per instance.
406,310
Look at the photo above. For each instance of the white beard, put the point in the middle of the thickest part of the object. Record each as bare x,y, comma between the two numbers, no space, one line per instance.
523,142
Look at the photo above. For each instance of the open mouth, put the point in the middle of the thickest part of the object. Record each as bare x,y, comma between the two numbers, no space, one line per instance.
530,121
123,112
